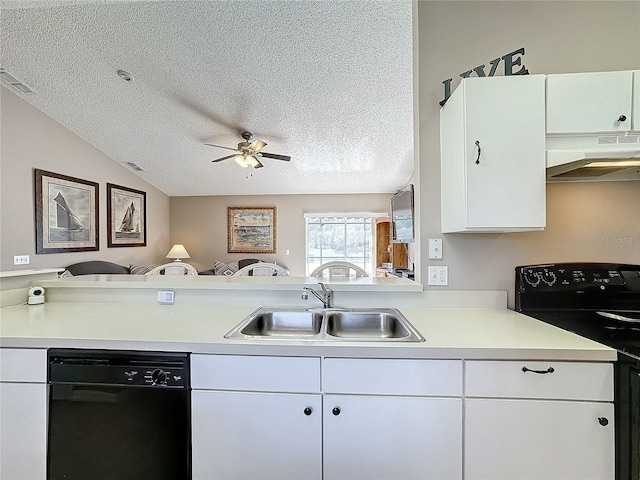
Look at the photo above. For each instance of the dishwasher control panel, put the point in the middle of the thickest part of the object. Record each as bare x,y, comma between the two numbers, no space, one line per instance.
119,368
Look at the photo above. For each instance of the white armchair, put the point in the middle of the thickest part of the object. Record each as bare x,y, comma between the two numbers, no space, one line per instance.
262,269
339,269
173,268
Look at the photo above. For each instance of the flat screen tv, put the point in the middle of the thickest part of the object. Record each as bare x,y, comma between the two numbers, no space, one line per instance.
402,213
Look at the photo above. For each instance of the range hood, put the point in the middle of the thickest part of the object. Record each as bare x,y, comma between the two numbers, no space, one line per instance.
593,158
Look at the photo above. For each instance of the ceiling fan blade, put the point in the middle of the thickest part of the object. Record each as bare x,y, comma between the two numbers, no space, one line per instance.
224,158
220,146
258,164
257,145
275,157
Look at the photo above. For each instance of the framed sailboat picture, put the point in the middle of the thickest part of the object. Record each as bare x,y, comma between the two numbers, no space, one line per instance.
126,217
66,213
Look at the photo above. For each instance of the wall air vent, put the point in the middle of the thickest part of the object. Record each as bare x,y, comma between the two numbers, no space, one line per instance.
12,81
134,166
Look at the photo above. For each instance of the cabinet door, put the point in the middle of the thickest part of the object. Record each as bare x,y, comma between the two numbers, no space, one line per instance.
23,431
250,435
589,102
545,440
498,184
386,437
506,182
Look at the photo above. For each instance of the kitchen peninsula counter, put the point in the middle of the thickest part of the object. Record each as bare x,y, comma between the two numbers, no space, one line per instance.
454,333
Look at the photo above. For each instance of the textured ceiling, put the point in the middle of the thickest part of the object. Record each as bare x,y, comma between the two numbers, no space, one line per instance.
329,83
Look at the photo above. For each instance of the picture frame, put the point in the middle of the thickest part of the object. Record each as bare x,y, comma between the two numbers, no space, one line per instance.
251,230
66,213
126,217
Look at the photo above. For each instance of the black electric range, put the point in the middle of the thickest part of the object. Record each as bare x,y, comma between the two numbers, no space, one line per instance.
599,301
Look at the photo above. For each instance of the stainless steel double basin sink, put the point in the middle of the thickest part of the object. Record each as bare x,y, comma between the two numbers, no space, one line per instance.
327,324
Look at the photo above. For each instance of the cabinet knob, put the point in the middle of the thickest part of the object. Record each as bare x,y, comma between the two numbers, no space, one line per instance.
604,421
308,411
336,411
622,118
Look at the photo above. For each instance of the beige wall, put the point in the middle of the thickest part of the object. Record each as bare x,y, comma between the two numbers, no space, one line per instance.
585,222
200,223
30,139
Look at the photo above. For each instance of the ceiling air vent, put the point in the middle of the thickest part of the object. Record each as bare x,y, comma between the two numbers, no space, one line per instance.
12,81
134,166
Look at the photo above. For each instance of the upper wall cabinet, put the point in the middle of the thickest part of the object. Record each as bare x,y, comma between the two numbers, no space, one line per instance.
492,143
598,102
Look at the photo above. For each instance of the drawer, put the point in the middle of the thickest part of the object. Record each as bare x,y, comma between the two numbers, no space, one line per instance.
255,373
23,365
562,380
392,376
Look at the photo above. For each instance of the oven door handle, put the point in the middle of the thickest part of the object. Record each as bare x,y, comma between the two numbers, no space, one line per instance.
617,316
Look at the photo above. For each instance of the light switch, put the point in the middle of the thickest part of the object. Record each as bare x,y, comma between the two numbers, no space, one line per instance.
435,248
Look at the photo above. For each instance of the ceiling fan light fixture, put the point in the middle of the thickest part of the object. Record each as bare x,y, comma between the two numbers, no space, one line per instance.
252,161
241,160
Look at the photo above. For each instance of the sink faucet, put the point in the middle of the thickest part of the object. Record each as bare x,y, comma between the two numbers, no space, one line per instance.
326,297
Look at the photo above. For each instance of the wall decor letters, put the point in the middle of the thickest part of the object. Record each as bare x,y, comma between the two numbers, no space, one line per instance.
510,60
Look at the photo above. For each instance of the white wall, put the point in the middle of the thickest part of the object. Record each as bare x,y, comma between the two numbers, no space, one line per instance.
585,222
30,139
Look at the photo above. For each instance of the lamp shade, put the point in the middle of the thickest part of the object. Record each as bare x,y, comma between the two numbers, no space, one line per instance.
178,251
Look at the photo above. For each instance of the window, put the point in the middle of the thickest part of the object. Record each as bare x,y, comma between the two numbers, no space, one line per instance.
332,237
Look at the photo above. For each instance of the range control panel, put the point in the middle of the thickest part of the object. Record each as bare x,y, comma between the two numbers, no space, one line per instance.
577,276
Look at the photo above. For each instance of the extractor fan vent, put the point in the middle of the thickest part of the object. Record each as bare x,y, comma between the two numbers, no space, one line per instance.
134,166
12,81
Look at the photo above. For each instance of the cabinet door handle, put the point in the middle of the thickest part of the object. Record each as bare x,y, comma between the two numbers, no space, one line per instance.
604,421
479,151
308,411
336,411
541,372
622,118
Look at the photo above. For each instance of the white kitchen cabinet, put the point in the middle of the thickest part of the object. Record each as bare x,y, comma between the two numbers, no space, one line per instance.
538,420
492,144
23,414
381,421
596,102
256,417
373,418
542,439
251,435
392,437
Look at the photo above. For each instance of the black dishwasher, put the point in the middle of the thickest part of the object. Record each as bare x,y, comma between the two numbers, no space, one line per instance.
118,415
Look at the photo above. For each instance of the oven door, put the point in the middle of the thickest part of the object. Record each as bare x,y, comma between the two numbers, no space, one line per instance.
627,403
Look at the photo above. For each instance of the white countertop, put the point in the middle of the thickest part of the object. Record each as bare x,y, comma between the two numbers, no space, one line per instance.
458,333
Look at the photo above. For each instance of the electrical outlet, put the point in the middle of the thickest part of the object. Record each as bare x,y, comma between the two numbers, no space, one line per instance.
438,276
166,297
21,259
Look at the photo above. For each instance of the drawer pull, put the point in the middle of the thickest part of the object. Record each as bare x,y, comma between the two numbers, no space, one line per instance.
541,372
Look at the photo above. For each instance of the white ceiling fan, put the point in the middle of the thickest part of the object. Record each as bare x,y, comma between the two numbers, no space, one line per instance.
248,153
